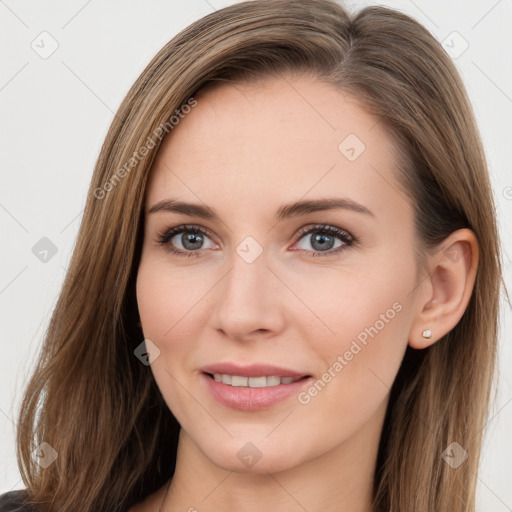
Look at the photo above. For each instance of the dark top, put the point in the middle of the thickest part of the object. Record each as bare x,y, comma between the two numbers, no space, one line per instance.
14,501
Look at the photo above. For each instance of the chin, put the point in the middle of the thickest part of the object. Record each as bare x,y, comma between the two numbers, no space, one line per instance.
259,456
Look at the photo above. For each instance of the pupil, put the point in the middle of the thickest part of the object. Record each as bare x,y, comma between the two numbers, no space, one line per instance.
191,241
324,241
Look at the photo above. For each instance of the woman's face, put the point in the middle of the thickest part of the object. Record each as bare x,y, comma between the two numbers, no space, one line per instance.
320,292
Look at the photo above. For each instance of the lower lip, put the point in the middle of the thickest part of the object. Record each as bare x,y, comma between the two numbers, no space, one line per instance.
252,399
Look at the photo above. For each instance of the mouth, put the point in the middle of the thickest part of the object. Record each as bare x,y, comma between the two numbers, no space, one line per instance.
252,388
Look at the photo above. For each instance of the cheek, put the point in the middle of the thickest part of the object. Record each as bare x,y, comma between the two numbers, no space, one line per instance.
167,297
368,318
169,303
163,315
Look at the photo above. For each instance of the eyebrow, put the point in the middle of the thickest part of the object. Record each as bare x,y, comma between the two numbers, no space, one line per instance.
286,211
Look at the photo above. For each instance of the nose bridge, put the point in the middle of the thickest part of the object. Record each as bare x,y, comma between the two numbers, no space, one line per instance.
247,300
248,280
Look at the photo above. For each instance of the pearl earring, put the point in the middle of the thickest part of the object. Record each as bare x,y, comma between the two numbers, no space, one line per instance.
427,333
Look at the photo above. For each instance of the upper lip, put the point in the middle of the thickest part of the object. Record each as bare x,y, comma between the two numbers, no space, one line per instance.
253,370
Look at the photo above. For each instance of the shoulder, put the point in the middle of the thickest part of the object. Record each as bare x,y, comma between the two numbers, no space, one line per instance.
15,501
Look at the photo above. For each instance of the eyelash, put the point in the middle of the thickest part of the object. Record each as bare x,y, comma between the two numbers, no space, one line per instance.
348,240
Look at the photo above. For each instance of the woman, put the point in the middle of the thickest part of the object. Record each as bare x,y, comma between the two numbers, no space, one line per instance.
285,287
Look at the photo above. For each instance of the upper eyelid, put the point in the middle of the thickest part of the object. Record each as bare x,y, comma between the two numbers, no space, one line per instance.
308,229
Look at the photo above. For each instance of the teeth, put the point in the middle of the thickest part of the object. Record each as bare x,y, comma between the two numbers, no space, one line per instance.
259,382
253,382
238,381
275,381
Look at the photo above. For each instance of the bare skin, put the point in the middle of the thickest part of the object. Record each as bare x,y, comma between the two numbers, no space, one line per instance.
245,151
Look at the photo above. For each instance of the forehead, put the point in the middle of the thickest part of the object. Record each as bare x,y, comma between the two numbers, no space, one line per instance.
281,139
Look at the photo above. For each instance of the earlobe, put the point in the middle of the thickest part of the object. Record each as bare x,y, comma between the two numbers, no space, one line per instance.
445,294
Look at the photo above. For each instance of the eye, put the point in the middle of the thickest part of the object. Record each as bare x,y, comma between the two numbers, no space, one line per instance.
184,240
324,240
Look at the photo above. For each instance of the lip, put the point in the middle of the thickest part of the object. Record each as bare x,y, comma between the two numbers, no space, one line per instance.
247,398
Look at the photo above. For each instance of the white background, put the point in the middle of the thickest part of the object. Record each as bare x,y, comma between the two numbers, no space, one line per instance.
56,111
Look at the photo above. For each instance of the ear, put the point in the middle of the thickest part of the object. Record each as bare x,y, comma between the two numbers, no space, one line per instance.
444,295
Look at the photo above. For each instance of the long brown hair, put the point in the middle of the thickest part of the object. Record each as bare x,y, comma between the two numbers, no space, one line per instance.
94,402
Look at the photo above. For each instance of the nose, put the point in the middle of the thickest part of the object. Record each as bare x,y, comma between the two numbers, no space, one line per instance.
248,301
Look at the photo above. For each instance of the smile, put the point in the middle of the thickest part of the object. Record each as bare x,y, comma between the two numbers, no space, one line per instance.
252,394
